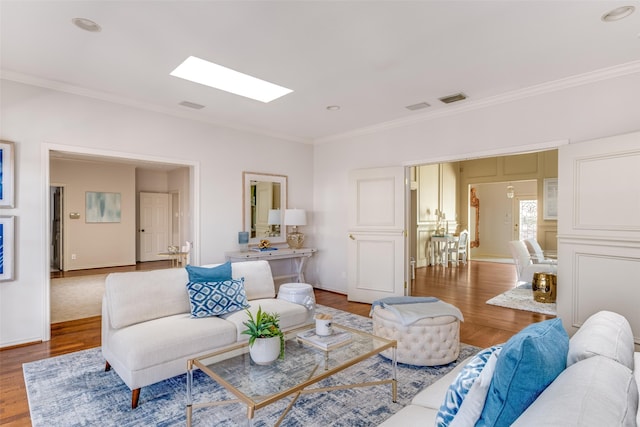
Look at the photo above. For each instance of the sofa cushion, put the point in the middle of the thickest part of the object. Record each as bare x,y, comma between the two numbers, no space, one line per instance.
459,388
216,298
209,274
593,392
128,295
291,314
604,333
138,346
258,281
528,363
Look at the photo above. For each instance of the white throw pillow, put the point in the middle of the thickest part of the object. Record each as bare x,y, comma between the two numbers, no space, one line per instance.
472,405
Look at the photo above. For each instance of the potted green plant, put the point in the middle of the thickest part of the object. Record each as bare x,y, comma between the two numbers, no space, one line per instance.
266,340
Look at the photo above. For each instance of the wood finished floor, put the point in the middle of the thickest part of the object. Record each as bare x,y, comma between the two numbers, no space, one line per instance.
467,287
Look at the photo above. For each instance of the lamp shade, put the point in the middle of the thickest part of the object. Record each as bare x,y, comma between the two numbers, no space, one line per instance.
295,217
275,217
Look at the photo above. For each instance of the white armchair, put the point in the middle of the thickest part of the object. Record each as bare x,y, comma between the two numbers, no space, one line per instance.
524,265
536,253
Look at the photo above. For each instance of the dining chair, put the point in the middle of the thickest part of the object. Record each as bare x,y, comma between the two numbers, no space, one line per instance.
458,249
186,253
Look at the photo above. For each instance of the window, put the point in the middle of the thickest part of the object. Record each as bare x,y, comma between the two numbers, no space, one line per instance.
528,219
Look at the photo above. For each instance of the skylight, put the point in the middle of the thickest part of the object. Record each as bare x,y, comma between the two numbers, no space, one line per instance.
209,74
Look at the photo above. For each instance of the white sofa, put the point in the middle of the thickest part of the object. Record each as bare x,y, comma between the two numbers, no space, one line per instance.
148,333
599,386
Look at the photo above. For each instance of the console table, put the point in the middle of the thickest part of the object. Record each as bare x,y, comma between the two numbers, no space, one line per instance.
300,256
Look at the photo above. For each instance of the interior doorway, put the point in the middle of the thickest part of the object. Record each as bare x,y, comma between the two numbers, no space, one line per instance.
56,194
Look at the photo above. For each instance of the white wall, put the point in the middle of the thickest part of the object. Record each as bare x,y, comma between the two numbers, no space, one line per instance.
496,217
32,116
592,110
599,235
96,244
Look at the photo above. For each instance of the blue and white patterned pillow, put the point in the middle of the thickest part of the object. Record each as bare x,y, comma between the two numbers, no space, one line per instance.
216,298
459,388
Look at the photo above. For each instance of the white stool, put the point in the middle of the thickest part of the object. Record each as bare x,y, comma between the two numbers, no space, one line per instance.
427,342
299,293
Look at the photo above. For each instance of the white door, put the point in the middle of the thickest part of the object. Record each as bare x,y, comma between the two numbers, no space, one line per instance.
153,231
264,202
377,266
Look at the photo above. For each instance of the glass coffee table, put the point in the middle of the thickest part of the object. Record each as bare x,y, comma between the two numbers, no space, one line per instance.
304,365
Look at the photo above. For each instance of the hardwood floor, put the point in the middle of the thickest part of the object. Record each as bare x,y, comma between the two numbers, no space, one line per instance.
467,287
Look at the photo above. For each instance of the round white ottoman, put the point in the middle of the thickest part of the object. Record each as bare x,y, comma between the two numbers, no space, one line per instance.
299,293
427,342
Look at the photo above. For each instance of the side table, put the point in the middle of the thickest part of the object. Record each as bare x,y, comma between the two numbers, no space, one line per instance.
300,256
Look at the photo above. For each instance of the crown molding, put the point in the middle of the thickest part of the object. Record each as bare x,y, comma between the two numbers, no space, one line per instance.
632,67
103,96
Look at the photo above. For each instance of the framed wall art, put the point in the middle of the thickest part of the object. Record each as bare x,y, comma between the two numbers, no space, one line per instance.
550,201
102,207
7,245
7,174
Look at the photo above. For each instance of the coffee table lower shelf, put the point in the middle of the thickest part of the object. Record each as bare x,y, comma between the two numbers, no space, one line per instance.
303,367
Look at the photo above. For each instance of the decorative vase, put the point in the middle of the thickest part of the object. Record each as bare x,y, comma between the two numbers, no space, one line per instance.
544,286
265,351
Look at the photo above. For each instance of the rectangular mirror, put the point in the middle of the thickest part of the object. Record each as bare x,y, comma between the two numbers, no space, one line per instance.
265,199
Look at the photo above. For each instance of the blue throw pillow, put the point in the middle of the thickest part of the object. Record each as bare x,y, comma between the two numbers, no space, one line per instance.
216,298
527,364
459,388
210,274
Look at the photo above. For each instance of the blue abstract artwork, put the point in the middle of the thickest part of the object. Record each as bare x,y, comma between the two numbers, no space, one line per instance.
102,207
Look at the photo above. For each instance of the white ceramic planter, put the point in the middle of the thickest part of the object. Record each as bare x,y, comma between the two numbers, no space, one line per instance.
265,351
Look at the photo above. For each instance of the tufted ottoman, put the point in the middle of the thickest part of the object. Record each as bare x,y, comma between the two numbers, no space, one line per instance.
427,342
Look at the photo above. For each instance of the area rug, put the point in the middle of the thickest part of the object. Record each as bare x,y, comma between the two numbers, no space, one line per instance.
76,297
521,298
74,390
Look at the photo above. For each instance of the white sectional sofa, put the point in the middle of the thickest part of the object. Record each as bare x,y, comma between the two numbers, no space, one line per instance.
148,333
598,387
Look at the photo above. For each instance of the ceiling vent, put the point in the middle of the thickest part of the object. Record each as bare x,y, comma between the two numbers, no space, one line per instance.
453,98
191,105
418,106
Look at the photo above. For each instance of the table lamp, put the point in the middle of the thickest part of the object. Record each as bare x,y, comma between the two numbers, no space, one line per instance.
295,217
274,220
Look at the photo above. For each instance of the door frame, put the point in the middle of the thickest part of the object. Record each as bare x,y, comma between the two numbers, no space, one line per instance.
46,156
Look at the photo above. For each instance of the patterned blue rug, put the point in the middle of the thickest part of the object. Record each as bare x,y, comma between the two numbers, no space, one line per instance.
74,390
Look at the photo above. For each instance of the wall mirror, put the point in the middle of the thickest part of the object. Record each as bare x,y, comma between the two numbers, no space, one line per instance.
265,199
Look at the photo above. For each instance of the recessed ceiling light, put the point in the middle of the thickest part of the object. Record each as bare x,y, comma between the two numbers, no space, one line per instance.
87,25
418,106
213,75
618,13
453,98
333,107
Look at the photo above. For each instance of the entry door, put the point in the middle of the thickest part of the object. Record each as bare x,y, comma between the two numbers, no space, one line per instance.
153,231
377,265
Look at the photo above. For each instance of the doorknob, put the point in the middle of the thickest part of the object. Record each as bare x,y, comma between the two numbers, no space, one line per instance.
351,237
142,230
